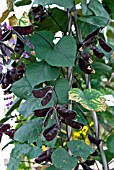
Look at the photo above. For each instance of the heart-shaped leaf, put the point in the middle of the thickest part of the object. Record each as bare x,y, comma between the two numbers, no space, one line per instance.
61,159
29,131
61,54
91,100
80,148
63,3
38,72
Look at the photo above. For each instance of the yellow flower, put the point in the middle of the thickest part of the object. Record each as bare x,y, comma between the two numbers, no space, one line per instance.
87,141
44,148
91,124
75,135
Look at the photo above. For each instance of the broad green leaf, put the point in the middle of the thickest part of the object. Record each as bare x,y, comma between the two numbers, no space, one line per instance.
98,9
91,100
85,9
49,23
22,88
110,143
100,70
61,159
110,34
90,23
34,152
23,2
32,104
109,117
109,7
16,154
29,131
38,72
13,163
80,149
61,54
63,3
62,88
53,168
109,155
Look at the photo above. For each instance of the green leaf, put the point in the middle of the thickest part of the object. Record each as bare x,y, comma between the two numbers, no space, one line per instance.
53,168
62,88
16,154
32,104
110,143
29,131
85,9
80,148
98,9
109,117
23,2
91,100
63,3
90,23
38,72
13,163
61,159
34,152
61,54
100,70
22,88
109,155
109,7
49,24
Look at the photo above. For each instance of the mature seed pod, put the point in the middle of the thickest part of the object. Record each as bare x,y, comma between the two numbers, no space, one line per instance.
41,112
10,133
86,57
105,46
44,156
50,133
85,166
76,168
65,113
24,30
89,162
38,12
47,98
40,93
1,134
97,52
48,115
85,67
73,124
41,159
5,127
94,139
19,47
95,153
88,42
92,34
7,35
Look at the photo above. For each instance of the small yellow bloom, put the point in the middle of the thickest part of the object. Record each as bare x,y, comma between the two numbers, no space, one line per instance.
44,148
91,124
87,141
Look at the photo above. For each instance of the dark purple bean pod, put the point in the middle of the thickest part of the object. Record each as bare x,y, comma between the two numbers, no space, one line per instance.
40,93
7,35
47,98
94,140
65,113
97,52
73,124
88,42
85,66
94,33
89,162
1,134
50,133
104,45
48,115
24,30
41,112
95,153
5,127
19,47
85,166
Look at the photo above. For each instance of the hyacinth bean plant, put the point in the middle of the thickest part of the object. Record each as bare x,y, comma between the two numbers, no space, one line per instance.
57,83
